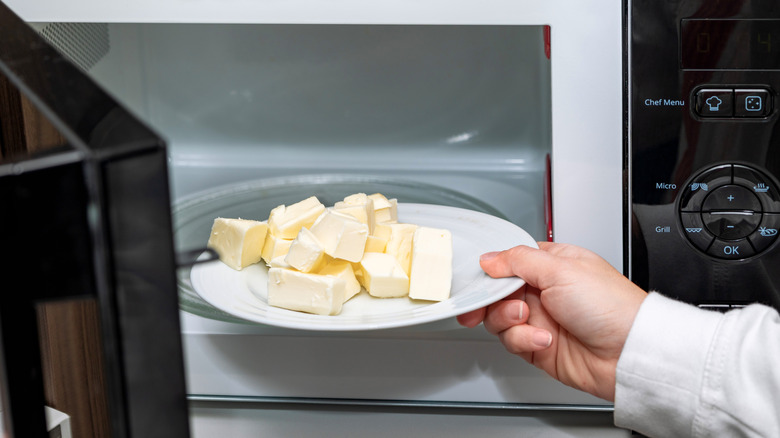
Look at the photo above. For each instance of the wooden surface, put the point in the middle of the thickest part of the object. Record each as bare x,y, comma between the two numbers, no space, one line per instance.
72,365
23,129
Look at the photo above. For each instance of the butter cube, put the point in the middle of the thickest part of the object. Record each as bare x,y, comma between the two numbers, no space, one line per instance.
385,210
305,252
382,231
278,262
341,236
383,277
305,292
358,271
375,244
286,221
275,247
359,206
431,277
357,199
239,242
400,244
343,269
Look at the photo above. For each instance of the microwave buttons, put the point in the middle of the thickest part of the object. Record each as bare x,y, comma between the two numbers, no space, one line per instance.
731,197
733,103
715,102
751,102
694,230
731,249
696,191
730,225
761,186
766,233
730,212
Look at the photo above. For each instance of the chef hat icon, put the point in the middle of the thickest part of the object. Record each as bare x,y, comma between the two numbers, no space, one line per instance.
714,103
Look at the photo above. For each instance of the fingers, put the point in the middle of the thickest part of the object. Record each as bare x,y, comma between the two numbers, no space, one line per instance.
504,314
525,338
508,319
475,317
472,319
510,313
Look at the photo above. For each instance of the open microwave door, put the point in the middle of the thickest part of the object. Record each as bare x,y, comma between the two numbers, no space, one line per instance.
85,214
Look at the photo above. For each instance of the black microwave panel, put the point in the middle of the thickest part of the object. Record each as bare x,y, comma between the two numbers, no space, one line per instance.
704,150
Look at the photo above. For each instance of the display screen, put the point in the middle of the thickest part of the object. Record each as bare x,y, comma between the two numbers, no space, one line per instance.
716,44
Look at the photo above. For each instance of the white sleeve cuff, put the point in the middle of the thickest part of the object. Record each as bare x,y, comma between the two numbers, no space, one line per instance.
659,378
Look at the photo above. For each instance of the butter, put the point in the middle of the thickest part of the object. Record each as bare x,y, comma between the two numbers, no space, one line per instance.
320,257
306,253
359,206
400,244
375,244
305,292
431,274
286,221
385,210
357,199
341,236
380,201
275,247
383,277
239,242
382,231
343,269
278,262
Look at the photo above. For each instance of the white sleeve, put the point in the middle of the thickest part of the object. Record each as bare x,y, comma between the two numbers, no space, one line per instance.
690,372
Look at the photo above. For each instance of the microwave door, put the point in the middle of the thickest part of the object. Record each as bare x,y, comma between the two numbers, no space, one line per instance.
86,219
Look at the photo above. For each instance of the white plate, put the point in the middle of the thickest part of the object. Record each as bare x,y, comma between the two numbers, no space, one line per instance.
244,293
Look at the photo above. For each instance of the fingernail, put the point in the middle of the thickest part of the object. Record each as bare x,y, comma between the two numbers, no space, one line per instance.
520,315
542,338
488,256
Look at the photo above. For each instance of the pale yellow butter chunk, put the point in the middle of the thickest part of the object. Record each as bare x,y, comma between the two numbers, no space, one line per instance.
375,244
382,276
239,242
275,247
382,231
285,221
305,292
343,269
385,210
357,199
400,244
359,206
278,262
341,236
431,276
306,253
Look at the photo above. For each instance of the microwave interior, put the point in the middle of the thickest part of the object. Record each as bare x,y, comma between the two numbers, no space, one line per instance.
259,115
442,114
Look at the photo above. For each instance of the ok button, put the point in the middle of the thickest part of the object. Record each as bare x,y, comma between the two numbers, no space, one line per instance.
731,249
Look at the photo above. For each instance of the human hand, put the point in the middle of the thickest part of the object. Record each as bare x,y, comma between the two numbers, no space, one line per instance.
570,319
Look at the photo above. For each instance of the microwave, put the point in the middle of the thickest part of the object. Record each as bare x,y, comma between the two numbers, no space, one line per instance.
563,118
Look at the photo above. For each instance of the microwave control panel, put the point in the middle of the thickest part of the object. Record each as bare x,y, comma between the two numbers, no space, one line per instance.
703,150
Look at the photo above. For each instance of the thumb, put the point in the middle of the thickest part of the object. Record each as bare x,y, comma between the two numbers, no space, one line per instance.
530,264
